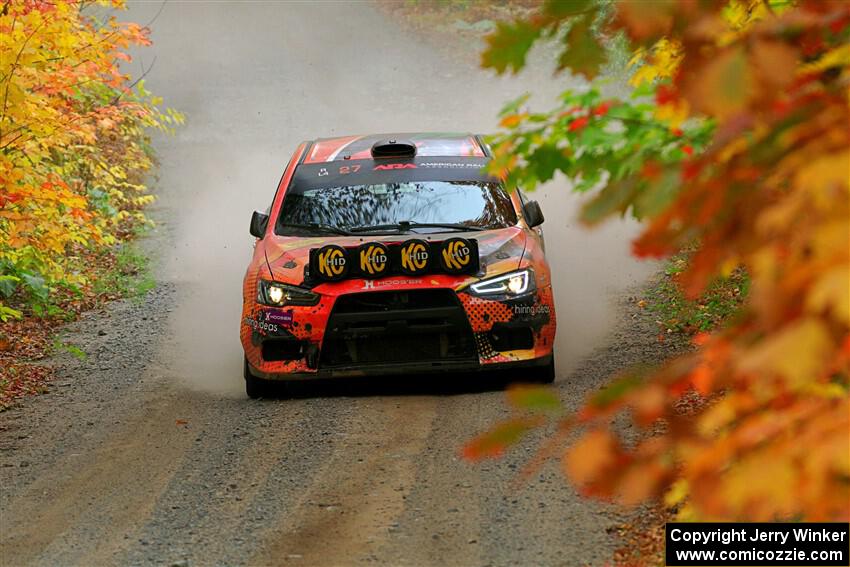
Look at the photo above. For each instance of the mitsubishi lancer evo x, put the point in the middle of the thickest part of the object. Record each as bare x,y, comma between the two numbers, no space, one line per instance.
395,254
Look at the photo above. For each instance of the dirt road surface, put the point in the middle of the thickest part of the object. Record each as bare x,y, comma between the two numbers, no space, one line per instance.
146,452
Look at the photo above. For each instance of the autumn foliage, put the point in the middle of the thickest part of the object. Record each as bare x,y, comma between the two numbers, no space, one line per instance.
73,148
734,142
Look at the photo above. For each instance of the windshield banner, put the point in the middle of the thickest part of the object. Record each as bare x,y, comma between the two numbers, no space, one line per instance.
390,170
413,257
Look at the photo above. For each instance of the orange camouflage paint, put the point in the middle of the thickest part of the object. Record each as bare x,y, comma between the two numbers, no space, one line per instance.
283,259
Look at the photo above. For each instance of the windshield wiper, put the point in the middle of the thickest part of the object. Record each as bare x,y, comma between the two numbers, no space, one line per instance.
407,225
318,227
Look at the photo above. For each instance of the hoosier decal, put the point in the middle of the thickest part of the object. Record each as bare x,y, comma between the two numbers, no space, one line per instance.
280,317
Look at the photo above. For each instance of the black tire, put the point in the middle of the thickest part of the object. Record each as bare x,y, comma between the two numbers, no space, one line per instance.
257,387
545,374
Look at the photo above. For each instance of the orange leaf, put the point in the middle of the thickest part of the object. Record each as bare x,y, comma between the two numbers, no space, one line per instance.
493,443
591,457
723,86
512,120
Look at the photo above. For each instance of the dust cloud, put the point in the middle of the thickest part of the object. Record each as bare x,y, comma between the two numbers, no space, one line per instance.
255,79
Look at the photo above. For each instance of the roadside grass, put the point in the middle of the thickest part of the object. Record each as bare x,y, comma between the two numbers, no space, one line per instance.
127,275
677,314
678,318
61,346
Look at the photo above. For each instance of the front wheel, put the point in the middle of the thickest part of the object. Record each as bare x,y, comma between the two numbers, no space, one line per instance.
256,387
544,374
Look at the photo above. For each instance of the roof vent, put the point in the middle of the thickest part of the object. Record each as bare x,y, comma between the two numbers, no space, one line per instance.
393,149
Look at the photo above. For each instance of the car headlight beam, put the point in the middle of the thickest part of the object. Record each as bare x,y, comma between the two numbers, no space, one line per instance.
276,294
511,284
279,294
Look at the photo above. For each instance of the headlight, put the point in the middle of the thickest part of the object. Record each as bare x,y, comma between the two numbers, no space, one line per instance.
278,294
514,283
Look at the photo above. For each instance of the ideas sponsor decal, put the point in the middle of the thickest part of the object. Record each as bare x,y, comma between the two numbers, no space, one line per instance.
261,326
374,259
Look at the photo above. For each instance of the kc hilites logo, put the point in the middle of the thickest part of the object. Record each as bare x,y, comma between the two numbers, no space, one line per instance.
415,257
332,262
455,255
374,259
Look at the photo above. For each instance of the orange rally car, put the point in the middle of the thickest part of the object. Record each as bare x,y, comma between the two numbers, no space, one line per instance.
395,254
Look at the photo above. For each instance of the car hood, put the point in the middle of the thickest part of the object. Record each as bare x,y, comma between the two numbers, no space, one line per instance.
500,250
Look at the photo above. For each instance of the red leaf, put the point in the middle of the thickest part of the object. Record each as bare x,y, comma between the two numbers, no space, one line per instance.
665,94
578,124
602,109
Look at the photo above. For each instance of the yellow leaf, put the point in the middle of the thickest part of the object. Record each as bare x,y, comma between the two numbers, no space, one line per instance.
677,493
822,175
837,57
796,353
832,292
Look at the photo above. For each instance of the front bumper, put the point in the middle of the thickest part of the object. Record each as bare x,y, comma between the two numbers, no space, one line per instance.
402,368
400,331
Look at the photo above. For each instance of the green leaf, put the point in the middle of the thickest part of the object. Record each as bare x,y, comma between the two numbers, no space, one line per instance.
583,53
614,198
36,286
545,161
513,106
8,285
615,391
7,313
508,46
655,197
560,9
534,398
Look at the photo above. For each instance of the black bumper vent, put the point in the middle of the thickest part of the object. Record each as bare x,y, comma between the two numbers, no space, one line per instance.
397,327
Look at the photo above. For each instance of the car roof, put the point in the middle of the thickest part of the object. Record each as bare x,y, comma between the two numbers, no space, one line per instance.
428,144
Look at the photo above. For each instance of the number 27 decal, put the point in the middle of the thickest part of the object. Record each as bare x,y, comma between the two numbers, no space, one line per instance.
349,169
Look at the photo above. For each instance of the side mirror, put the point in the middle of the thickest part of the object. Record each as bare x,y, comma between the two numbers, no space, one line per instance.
533,214
259,223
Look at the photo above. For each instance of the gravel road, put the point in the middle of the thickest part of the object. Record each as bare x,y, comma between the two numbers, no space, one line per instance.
146,452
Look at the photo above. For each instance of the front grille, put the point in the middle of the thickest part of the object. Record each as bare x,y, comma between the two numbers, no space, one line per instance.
389,327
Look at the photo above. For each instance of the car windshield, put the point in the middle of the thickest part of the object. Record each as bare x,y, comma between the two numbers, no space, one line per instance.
475,204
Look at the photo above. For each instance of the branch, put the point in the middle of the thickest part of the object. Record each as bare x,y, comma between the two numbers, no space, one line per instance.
133,84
